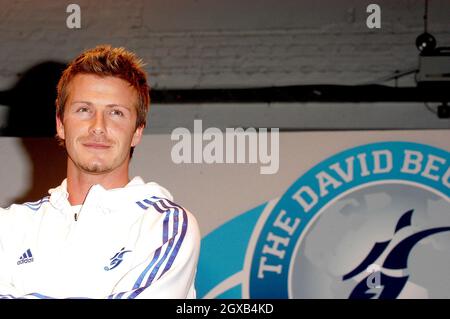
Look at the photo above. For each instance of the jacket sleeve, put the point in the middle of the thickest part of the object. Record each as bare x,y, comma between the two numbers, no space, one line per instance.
169,270
7,289
10,218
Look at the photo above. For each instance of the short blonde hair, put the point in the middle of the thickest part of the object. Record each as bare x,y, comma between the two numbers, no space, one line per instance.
105,60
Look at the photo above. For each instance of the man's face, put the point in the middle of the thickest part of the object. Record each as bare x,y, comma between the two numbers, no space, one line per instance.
99,123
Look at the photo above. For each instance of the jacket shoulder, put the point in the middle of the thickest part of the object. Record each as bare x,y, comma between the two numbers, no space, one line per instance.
27,207
166,209
17,217
36,205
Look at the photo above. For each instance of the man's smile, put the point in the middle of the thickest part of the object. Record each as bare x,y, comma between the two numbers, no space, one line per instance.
96,145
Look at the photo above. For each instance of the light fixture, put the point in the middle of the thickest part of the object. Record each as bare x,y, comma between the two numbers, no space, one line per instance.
425,42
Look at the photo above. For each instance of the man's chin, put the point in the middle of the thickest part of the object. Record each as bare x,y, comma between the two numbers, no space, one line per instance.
95,168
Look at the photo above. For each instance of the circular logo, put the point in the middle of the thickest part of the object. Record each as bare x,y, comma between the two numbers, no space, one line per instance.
369,222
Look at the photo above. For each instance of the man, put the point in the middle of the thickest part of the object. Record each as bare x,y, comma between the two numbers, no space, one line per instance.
100,234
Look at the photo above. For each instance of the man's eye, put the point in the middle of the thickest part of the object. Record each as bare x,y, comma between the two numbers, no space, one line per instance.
117,112
83,109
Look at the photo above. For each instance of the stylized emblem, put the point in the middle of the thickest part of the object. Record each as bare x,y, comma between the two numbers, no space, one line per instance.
117,259
389,287
305,243
329,219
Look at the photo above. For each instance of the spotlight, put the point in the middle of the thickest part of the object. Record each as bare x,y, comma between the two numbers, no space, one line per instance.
425,43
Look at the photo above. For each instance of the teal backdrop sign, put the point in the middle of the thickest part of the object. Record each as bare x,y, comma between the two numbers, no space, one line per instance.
372,221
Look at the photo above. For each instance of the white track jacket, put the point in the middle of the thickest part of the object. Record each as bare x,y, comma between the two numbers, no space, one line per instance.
130,242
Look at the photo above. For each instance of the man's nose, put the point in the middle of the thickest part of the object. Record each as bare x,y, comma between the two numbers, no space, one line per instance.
98,124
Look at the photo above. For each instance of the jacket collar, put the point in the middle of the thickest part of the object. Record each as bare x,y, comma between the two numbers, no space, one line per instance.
112,199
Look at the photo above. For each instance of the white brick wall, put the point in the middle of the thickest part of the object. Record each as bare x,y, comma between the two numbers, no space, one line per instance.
226,43
233,43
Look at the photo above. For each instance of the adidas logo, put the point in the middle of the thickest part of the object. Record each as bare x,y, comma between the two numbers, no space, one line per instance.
27,257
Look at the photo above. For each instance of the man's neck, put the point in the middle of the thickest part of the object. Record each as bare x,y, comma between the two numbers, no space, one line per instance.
79,182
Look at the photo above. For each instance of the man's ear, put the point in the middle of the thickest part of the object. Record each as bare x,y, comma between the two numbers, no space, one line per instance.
60,128
137,136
